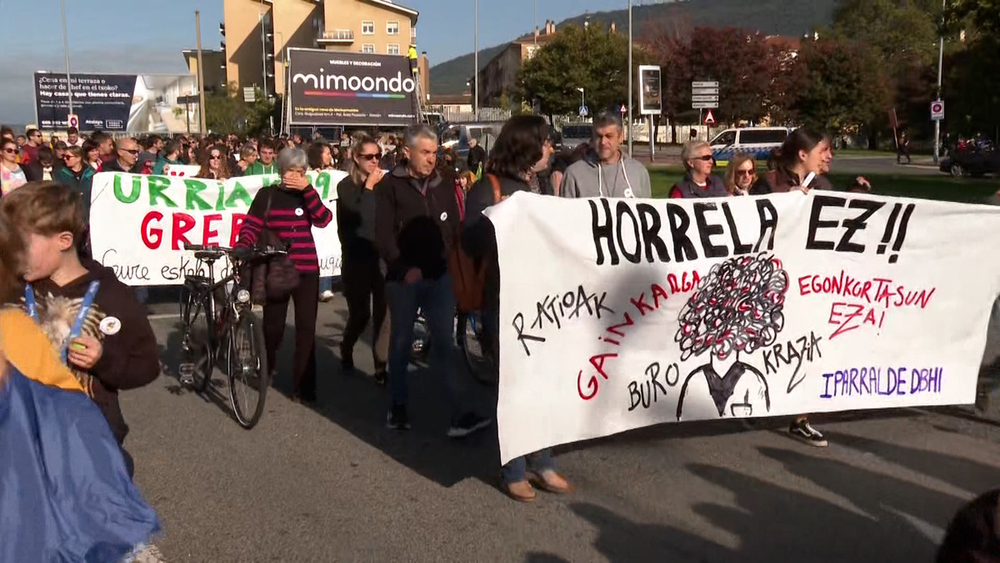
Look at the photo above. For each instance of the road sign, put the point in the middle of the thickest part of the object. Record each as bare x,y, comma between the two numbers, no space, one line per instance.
709,118
73,120
703,91
623,110
650,102
704,84
583,111
697,98
937,110
249,94
705,105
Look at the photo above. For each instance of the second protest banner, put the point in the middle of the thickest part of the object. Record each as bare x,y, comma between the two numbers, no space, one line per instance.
139,224
628,313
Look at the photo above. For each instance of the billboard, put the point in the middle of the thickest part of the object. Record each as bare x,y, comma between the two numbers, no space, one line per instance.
117,103
331,88
650,102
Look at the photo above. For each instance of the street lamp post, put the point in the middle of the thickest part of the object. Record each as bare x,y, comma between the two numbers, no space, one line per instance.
937,122
583,99
475,95
630,78
69,85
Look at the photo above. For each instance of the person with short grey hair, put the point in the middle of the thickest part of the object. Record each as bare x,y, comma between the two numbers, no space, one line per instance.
290,210
606,171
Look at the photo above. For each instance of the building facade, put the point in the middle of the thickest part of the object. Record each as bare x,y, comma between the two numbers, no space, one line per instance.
257,34
500,75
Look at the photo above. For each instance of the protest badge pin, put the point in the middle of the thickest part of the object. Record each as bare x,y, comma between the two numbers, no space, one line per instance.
629,193
299,212
444,216
110,325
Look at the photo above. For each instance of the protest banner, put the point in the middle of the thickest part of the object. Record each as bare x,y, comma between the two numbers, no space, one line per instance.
139,224
181,170
620,314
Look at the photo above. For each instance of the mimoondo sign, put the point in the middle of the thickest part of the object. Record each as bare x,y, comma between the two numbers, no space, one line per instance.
331,88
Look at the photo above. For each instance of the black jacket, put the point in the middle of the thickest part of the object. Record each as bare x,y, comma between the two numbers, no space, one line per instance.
356,221
415,223
479,238
114,166
477,156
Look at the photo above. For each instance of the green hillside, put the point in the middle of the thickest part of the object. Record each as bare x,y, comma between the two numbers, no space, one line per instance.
773,17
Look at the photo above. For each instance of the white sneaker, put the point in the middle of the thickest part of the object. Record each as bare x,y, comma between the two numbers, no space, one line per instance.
326,296
804,431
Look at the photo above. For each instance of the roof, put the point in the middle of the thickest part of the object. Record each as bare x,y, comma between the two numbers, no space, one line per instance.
529,39
194,52
397,7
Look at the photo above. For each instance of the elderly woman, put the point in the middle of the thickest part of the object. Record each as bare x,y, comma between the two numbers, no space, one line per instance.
699,180
290,210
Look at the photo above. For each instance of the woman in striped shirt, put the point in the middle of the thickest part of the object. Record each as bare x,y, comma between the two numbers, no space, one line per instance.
295,208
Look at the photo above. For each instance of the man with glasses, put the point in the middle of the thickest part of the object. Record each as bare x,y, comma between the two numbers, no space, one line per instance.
29,152
265,161
699,180
128,157
606,171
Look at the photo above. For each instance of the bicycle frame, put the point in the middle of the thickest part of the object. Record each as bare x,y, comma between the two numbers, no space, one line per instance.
205,294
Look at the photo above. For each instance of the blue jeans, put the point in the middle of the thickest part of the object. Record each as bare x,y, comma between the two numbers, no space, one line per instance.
325,284
436,299
538,462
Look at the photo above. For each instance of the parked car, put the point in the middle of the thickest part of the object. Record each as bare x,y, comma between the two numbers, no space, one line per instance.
456,137
972,161
575,134
757,142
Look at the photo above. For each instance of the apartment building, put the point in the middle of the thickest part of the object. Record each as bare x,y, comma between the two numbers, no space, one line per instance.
258,32
500,74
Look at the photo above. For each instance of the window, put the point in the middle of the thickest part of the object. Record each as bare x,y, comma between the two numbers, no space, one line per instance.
368,48
392,28
392,49
763,136
368,28
725,138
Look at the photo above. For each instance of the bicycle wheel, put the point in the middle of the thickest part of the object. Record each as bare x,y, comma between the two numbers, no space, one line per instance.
421,347
248,375
197,360
480,356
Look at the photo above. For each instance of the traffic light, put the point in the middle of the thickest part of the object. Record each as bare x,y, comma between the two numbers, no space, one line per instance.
268,40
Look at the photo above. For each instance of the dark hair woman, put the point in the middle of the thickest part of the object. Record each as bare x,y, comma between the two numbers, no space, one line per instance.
521,151
364,284
804,152
92,154
291,210
320,156
214,163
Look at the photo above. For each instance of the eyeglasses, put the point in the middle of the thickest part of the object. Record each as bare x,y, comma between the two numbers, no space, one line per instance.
214,157
745,172
133,152
10,151
706,158
369,156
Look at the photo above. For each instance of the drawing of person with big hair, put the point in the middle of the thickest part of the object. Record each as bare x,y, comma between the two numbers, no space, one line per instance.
735,310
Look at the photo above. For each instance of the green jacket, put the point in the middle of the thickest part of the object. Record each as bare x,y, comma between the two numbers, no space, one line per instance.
83,184
259,168
160,163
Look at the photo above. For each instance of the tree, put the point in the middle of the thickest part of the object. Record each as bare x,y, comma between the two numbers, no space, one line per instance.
842,87
983,15
227,113
588,58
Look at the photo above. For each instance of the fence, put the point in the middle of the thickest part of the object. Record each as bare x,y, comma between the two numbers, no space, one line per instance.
485,114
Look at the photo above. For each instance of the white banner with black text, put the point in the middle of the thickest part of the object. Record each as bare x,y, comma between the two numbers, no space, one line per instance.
620,314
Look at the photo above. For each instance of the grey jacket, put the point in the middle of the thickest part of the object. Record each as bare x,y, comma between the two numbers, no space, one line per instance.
589,178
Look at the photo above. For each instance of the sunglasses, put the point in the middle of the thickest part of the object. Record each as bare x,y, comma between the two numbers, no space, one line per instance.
131,151
745,172
369,156
10,151
214,157
706,158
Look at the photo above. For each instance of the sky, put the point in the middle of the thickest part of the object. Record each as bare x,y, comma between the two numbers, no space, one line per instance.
146,37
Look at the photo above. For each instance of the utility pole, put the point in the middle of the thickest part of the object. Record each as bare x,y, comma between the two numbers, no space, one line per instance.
534,8
201,76
475,95
630,78
69,85
937,123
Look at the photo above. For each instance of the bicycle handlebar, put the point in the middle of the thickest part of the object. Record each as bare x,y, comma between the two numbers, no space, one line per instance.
241,254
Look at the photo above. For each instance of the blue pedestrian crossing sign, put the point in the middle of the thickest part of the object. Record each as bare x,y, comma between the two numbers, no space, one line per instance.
584,112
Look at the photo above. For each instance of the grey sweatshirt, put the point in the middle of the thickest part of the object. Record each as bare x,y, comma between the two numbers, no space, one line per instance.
589,178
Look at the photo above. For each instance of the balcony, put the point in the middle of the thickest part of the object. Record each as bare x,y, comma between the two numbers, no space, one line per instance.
336,36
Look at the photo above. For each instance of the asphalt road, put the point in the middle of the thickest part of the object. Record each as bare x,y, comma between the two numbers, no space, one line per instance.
331,484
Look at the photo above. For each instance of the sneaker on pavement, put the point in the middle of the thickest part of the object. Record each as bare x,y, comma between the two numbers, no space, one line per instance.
802,430
398,419
467,424
326,296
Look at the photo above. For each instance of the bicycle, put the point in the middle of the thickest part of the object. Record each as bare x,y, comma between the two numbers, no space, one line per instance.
228,320
480,358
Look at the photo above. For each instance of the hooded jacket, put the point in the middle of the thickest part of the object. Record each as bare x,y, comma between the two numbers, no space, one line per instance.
130,358
81,182
416,221
590,178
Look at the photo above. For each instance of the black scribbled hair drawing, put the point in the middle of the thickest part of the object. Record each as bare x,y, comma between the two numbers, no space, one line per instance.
737,307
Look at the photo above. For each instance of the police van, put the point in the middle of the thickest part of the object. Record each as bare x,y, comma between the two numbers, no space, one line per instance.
756,142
